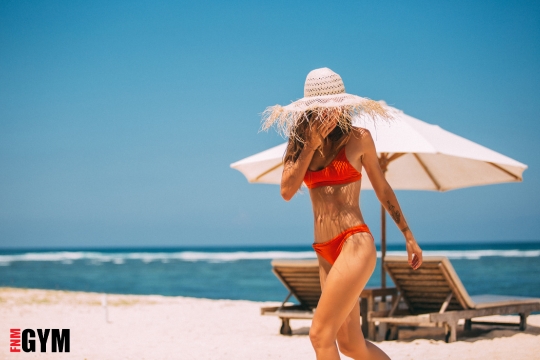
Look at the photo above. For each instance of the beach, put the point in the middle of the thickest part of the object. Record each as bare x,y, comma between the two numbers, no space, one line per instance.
176,327
170,168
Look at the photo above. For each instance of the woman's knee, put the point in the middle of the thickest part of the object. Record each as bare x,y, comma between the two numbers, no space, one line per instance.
352,349
321,336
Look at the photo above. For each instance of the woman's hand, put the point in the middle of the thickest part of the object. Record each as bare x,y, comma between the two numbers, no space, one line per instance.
294,171
414,252
319,132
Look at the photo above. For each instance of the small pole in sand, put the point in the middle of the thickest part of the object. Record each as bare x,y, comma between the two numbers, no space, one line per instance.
104,304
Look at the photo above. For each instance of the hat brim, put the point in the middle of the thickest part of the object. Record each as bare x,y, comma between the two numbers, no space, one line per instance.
285,117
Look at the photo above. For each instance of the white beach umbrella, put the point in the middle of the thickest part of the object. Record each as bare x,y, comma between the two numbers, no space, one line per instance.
414,156
418,156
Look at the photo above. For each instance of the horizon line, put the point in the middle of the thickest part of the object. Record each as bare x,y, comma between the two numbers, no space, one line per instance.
250,246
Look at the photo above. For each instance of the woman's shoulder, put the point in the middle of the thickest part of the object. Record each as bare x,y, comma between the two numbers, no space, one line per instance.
360,141
360,134
357,145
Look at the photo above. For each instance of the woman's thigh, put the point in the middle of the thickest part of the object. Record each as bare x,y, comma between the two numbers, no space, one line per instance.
338,309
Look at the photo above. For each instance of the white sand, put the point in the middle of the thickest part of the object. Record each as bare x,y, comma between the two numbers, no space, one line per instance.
158,327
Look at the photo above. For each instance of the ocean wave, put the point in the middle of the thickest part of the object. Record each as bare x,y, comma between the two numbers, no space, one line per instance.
68,257
476,254
146,257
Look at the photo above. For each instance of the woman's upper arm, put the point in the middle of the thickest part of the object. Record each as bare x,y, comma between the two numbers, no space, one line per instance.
370,162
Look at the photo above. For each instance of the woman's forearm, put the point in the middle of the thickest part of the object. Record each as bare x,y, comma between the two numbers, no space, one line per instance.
388,199
294,171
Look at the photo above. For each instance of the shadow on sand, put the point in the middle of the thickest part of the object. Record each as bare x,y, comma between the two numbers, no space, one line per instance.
478,332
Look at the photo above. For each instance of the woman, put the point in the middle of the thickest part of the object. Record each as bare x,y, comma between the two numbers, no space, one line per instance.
327,153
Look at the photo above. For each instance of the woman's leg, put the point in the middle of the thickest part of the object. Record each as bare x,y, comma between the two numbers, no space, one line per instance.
338,315
351,340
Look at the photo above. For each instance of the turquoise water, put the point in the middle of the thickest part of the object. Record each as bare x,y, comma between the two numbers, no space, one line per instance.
243,272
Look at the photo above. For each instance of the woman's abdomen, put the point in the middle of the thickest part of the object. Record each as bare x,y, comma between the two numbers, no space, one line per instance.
328,224
335,209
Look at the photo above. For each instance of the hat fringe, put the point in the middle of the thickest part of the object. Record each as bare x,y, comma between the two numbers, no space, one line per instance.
285,119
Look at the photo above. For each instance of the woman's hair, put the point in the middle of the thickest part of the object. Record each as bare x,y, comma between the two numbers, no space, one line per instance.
305,125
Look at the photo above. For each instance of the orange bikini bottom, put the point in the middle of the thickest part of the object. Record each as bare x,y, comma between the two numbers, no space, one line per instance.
330,249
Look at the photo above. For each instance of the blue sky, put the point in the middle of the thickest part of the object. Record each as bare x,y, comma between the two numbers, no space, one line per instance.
118,120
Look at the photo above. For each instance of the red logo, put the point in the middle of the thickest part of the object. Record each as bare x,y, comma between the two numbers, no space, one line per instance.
14,340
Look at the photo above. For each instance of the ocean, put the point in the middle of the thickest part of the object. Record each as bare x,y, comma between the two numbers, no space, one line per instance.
244,272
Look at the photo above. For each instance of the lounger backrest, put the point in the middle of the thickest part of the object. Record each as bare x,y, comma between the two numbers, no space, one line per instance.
301,277
425,290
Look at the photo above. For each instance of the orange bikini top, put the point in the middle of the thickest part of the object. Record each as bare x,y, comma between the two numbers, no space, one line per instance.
339,171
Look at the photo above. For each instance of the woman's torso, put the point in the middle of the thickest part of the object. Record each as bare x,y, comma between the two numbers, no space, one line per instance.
336,207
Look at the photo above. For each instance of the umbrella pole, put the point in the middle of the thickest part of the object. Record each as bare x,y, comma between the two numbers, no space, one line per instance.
383,245
383,163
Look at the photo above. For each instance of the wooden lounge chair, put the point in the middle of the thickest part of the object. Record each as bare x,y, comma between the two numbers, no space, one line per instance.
435,296
301,278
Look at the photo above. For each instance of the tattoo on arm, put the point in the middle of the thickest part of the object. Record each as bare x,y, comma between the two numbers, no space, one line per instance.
396,215
406,228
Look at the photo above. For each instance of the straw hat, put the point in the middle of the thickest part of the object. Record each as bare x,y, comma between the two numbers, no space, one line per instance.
323,90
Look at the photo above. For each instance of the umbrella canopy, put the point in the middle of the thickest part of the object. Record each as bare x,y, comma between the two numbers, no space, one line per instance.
413,155
416,156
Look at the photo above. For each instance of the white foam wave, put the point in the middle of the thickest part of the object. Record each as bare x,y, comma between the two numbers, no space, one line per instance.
67,257
146,257
472,254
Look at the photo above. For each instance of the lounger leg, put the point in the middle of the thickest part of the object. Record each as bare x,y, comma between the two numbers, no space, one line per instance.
371,324
523,321
450,329
468,324
363,315
381,330
392,333
285,327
